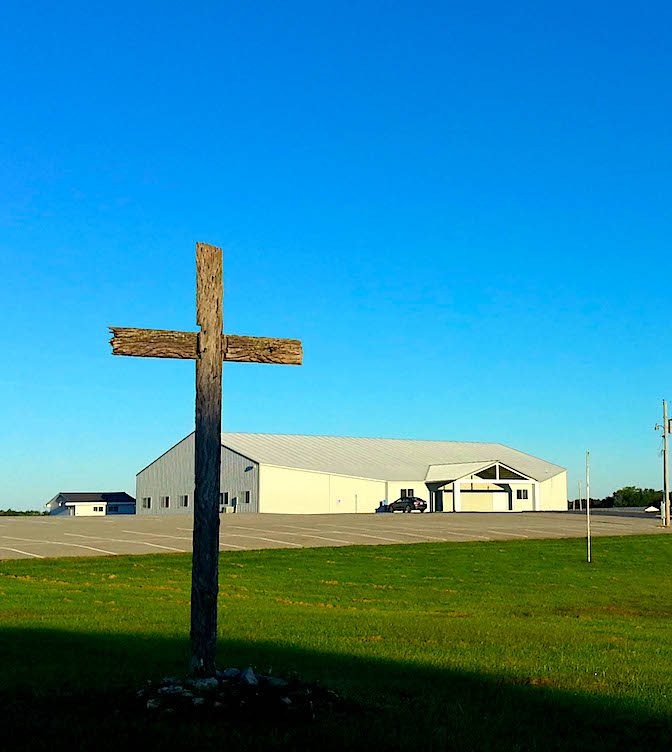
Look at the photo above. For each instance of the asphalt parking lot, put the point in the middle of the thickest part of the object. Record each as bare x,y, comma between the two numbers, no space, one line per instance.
50,537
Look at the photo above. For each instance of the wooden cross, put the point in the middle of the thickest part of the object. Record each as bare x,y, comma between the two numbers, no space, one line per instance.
209,348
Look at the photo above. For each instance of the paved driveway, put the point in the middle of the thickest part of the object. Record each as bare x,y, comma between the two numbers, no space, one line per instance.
43,537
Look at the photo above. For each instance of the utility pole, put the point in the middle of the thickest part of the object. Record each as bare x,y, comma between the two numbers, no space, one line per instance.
665,506
579,495
588,502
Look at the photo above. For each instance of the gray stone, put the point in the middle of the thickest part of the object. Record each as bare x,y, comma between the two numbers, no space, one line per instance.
172,690
153,704
248,677
230,673
275,682
198,700
170,680
206,685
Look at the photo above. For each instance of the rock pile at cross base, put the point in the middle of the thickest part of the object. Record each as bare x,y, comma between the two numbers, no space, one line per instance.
238,692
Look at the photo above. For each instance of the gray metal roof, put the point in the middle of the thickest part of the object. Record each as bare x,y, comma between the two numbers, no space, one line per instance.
114,497
385,459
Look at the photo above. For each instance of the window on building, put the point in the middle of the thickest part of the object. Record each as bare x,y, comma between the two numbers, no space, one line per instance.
98,509
521,493
165,502
247,497
406,493
183,501
113,508
147,502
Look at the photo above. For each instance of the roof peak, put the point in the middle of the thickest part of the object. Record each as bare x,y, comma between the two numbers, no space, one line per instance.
367,438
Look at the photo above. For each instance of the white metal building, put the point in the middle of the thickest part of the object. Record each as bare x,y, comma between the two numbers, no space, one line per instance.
95,504
332,474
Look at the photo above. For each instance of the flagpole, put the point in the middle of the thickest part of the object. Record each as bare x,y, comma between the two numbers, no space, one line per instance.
588,502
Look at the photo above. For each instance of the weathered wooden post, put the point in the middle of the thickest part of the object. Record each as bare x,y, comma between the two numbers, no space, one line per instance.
207,460
209,348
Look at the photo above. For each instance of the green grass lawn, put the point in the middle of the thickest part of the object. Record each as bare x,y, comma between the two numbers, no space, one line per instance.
474,646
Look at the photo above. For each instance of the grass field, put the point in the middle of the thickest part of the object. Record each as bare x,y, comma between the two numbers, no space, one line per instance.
473,646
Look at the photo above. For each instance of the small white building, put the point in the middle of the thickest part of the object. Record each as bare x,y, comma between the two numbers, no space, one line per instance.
91,504
332,474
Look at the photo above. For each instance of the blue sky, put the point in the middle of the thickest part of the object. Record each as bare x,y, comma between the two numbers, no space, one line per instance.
462,209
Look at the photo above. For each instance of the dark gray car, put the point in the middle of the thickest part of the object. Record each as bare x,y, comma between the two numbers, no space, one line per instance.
408,504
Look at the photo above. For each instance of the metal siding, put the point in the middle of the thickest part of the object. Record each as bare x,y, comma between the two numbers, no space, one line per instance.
240,474
172,475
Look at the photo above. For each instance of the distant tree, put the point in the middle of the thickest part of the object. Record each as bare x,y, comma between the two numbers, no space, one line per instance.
24,513
632,496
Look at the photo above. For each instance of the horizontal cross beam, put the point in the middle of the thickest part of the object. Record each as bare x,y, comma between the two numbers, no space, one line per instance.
162,343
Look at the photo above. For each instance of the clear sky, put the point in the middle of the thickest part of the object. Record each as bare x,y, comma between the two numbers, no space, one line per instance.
462,209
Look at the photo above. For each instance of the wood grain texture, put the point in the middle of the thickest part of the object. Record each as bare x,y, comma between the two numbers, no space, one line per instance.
154,343
207,461
239,349
164,343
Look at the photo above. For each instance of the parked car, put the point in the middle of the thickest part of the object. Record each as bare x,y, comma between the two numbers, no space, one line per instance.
408,504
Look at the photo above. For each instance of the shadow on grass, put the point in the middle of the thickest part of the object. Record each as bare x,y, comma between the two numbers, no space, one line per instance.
63,690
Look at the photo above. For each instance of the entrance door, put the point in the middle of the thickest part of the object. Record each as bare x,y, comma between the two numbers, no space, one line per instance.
438,501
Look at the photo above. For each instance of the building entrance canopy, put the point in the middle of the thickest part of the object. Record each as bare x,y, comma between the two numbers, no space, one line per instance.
490,477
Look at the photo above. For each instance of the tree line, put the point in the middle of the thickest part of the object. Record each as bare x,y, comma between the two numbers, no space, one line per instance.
629,496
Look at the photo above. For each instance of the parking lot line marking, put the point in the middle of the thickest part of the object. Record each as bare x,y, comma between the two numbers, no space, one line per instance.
465,534
261,537
542,532
298,527
285,532
146,543
460,532
81,545
120,540
305,535
323,537
184,537
502,532
157,535
417,535
365,535
25,553
61,543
